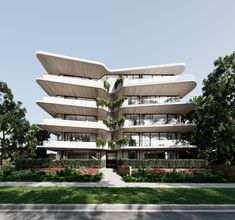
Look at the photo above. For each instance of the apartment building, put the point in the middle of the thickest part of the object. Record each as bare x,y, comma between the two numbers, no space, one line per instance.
99,113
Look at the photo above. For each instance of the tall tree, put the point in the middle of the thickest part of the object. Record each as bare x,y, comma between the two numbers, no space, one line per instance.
16,133
215,114
13,124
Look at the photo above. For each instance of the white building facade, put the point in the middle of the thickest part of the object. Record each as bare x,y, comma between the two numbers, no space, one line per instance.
98,113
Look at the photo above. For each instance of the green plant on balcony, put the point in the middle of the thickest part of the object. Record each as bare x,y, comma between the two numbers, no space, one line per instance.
100,142
119,81
121,121
101,102
110,104
111,124
118,102
122,141
106,85
111,144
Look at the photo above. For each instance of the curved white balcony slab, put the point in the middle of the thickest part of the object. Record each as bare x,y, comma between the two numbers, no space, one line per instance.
180,88
158,108
69,86
58,125
69,145
160,144
58,64
177,127
53,105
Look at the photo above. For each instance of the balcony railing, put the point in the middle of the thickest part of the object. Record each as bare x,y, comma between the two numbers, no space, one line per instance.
158,143
158,100
154,122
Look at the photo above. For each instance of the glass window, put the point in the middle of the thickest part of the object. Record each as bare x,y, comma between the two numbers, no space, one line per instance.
163,136
171,136
132,154
154,139
134,100
91,118
149,155
171,119
146,139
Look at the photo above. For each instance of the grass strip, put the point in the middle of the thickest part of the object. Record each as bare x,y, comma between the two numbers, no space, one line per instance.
77,195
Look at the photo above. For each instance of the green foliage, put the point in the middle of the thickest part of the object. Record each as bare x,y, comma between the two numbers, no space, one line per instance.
19,138
13,124
112,124
65,174
111,144
106,85
122,141
119,81
109,103
165,163
43,163
76,163
100,142
204,176
32,163
214,114
121,121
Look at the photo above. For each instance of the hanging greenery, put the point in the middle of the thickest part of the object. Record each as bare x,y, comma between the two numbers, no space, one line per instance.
106,85
122,141
109,103
100,142
111,144
119,81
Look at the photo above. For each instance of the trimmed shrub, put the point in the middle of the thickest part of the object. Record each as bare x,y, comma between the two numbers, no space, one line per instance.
204,176
164,163
75,163
44,163
32,163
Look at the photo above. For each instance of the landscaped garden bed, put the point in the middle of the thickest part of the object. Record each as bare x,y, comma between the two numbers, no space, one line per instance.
54,174
191,175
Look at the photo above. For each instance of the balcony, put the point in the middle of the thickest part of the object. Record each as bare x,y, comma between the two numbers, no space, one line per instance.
59,125
157,144
59,145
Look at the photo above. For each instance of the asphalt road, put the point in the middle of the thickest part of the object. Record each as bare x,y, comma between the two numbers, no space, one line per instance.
113,212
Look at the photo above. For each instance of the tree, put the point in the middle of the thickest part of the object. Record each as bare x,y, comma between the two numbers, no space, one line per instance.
17,136
34,136
215,114
13,124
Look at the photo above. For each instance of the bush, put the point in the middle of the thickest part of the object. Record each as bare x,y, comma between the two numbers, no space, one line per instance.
32,163
65,174
45,163
75,163
204,176
164,163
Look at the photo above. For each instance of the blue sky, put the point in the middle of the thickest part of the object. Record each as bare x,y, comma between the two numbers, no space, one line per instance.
118,33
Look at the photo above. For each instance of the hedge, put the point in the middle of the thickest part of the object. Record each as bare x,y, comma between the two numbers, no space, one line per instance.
21,164
78,163
164,163
42,163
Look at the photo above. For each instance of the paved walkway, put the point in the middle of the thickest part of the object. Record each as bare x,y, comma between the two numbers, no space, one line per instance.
112,179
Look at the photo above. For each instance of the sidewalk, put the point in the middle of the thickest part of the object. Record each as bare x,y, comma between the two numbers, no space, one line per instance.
112,179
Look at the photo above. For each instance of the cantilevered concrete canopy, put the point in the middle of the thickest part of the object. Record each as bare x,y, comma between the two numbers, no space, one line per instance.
64,65
55,88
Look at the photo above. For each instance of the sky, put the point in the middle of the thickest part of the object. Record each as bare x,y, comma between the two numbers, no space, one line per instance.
118,33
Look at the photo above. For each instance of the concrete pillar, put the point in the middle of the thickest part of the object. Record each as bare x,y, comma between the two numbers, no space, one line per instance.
58,155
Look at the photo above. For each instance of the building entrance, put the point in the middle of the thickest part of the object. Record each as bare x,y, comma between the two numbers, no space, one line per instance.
111,159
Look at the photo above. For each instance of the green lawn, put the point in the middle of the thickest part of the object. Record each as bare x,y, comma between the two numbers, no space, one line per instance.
73,195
